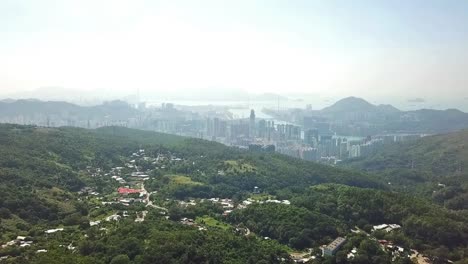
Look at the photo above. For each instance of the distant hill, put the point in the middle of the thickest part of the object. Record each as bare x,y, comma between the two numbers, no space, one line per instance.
355,104
428,121
57,93
388,108
32,107
424,164
388,119
7,100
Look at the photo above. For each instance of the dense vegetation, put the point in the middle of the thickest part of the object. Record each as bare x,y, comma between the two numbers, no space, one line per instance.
42,170
161,241
434,166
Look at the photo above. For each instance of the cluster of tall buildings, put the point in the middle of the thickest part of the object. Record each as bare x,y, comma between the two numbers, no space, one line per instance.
314,140
242,132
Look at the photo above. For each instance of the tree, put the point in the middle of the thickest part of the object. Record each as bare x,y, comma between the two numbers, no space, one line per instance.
120,259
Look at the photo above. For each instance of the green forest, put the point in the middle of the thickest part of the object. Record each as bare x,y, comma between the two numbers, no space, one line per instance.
63,199
433,166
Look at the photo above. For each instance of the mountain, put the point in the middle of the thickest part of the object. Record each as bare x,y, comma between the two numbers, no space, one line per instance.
361,118
349,104
388,108
33,106
57,93
7,100
59,192
38,111
433,165
355,104
428,121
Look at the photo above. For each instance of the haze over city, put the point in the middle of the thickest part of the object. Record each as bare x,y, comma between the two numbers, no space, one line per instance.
241,131
384,51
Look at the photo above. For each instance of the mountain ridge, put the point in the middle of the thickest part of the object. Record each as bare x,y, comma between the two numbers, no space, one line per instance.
425,164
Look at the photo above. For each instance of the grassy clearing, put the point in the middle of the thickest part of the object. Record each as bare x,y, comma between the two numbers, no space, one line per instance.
211,222
183,180
262,196
239,166
59,198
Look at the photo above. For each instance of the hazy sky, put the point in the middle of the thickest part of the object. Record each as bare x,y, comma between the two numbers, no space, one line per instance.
365,48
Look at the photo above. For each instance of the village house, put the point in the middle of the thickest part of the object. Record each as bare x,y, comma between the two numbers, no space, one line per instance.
126,191
139,175
94,223
51,231
187,221
114,217
386,227
333,247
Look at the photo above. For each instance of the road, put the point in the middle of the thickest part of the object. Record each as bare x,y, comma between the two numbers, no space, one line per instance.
148,200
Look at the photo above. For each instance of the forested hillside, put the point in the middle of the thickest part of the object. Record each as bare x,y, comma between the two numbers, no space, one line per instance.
117,195
434,166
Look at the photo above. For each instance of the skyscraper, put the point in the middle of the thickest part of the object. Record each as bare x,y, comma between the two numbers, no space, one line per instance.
252,130
311,136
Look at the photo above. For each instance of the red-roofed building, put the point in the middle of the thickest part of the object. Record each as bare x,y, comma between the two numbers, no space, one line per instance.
123,190
383,242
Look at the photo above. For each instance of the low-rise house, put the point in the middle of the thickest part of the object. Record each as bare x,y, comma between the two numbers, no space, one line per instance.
125,191
386,227
139,175
10,243
126,200
114,217
94,223
227,212
247,202
301,257
185,204
331,248
51,231
26,244
71,247
187,221
379,227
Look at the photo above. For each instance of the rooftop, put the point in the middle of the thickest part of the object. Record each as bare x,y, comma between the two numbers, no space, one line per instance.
336,243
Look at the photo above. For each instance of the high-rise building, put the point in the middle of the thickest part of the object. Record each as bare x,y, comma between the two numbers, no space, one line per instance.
309,122
310,153
219,127
311,136
252,130
239,128
262,129
209,127
343,149
355,151
323,128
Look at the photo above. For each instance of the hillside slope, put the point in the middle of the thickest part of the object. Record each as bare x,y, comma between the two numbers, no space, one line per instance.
427,164
298,204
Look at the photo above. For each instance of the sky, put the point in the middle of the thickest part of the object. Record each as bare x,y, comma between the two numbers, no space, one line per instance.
368,48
